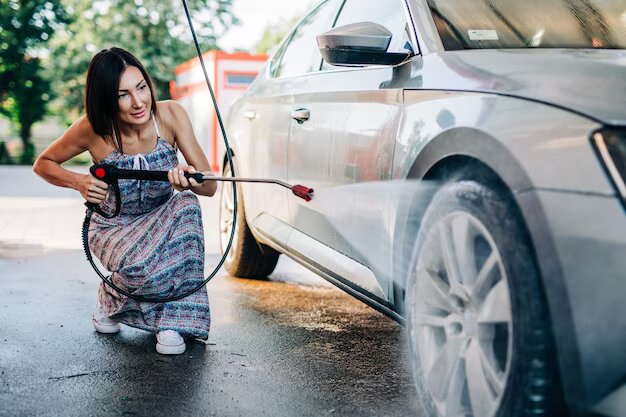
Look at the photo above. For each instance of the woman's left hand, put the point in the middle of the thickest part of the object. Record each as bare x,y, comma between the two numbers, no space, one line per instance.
178,180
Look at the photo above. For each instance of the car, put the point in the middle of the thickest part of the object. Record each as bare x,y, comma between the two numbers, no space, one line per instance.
468,161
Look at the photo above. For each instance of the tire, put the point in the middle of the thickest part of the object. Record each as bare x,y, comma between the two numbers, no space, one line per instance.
247,258
481,343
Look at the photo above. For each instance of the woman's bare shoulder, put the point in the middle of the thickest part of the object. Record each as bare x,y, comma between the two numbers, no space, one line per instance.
172,116
170,112
81,131
76,139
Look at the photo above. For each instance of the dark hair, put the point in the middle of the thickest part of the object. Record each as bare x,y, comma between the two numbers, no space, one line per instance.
101,92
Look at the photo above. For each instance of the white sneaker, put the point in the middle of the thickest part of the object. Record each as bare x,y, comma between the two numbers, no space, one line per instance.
169,342
102,322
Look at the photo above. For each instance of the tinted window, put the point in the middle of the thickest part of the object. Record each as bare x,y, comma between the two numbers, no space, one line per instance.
301,55
474,24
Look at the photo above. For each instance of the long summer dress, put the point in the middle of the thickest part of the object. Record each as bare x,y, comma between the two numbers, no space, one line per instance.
155,248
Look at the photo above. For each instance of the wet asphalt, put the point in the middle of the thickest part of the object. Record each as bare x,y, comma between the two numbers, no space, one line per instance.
289,346
276,349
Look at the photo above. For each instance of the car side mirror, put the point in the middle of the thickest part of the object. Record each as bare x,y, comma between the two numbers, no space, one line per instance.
359,44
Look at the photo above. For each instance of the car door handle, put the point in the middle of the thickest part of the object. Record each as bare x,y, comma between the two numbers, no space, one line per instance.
301,115
249,114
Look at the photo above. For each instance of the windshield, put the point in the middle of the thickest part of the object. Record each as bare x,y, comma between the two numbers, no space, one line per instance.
481,24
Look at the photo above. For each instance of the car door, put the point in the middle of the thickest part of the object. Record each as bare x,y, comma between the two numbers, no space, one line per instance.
266,112
343,133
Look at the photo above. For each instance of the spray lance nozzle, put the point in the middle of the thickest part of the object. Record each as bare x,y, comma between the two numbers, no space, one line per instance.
303,192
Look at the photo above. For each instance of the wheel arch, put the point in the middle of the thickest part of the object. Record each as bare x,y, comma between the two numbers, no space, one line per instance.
468,154
461,154
449,167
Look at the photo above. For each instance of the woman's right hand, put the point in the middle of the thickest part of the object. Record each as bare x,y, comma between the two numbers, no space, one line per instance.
92,189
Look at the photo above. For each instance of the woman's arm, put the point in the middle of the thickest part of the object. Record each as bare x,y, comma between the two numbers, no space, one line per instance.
186,140
74,141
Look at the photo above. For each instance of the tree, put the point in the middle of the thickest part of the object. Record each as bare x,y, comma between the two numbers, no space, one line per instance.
27,102
273,34
25,27
153,30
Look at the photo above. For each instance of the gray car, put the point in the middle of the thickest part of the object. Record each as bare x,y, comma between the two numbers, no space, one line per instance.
469,164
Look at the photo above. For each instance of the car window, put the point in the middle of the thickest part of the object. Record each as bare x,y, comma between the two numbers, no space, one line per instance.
478,24
388,13
300,54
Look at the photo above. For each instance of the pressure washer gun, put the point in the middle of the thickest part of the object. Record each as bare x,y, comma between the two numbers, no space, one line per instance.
111,174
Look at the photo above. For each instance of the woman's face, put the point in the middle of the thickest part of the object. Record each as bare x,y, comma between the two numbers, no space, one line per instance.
134,97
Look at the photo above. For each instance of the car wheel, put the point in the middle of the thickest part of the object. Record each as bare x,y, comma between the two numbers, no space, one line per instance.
480,338
247,258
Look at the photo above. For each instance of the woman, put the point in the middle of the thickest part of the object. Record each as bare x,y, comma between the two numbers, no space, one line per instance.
155,247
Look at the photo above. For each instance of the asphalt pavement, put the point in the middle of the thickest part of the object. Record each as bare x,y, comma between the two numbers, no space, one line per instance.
290,346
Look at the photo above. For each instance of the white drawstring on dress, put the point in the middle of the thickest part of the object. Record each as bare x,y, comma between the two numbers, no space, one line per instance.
140,162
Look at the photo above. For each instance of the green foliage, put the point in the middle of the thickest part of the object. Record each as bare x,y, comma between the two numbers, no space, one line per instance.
25,26
28,154
54,40
5,158
273,34
29,96
153,30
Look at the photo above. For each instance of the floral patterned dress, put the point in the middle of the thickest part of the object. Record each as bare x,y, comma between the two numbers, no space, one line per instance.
155,248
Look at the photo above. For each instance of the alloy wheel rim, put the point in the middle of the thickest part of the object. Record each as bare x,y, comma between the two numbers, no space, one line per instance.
462,321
